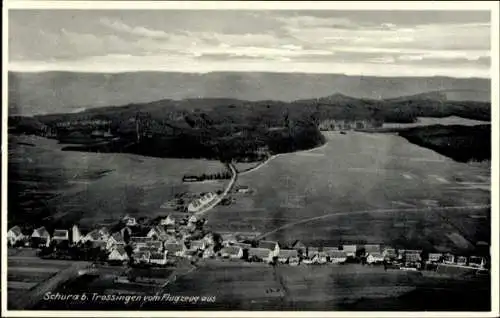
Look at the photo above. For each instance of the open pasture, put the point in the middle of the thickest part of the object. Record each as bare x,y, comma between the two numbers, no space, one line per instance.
362,187
68,187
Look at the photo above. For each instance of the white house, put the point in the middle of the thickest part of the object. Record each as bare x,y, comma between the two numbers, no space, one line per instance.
114,240
232,252
169,220
372,248
158,258
389,253
477,261
320,258
448,259
271,245
374,258
350,250
118,254
40,237
14,235
434,257
139,241
336,257
261,254
288,256
157,232
462,260
76,235
209,252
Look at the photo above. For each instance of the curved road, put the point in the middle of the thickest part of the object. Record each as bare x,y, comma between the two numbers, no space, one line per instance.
445,208
222,195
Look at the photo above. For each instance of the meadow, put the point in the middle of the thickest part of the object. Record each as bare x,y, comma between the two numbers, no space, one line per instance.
48,186
361,187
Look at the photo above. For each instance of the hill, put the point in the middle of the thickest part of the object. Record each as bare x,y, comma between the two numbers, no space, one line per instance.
66,92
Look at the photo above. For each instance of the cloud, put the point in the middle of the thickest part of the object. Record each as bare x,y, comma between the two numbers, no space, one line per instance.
137,30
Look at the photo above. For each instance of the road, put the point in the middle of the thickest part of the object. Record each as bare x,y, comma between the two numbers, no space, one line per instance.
445,208
220,197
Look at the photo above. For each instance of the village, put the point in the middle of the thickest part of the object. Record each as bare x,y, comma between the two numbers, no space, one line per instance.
166,240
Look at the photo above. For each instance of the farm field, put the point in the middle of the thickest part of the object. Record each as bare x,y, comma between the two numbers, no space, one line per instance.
428,121
258,286
29,277
90,188
376,188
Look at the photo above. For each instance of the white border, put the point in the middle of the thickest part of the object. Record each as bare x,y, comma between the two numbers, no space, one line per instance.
261,5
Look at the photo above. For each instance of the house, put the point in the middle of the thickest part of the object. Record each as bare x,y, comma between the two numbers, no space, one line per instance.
476,261
141,257
115,239
158,258
350,250
139,241
169,220
243,189
299,246
175,249
462,260
15,235
448,259
118,254
374,258
232,252
76,235
40,237
170,228
288,256
260,255
336,257
61,235
271,245
389,253
372,248
434,257
197,245
209,239
319,258
208,253
410,257
157,233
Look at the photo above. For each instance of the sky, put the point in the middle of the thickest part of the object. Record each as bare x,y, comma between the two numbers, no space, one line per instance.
371,43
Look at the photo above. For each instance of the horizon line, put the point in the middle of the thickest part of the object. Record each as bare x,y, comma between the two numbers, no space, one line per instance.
236,71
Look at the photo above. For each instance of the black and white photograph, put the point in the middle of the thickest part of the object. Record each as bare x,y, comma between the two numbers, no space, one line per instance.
206,159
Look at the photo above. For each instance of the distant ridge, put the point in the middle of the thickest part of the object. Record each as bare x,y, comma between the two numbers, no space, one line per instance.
65,92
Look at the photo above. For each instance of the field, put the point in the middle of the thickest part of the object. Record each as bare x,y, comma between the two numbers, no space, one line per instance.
428,121
65,187
363,187
30,277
